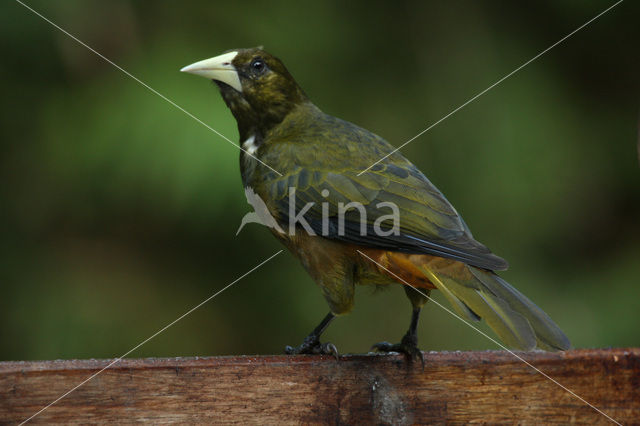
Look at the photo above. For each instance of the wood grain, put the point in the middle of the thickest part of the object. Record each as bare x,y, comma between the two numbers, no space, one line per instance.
454,387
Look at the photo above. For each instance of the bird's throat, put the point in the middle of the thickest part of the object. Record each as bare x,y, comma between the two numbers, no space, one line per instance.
258,118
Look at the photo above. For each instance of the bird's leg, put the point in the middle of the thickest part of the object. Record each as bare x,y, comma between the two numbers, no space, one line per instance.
311,344
409,343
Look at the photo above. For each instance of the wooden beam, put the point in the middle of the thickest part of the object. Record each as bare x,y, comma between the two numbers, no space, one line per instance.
454,387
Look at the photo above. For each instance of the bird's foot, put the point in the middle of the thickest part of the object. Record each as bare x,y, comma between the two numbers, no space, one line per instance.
408,347
311,345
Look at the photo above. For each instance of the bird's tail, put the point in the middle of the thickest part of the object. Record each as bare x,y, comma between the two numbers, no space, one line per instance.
477,293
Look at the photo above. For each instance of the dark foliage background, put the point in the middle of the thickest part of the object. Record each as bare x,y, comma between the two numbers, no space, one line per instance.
118,212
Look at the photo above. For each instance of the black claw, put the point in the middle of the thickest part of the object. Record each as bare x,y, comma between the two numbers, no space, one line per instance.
409,343
313,348
409,349
330,349
311,344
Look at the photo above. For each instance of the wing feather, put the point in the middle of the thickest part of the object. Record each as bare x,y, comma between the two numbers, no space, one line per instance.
429,224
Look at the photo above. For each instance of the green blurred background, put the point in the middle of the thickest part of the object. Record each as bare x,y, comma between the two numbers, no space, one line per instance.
119,212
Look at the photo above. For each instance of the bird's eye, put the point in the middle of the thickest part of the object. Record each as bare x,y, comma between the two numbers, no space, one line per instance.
258,65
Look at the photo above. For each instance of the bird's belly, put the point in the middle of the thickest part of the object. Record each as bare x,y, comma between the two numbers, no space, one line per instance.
330,264
319,256
328,260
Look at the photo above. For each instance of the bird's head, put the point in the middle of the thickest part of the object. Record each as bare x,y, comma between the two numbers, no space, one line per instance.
255,85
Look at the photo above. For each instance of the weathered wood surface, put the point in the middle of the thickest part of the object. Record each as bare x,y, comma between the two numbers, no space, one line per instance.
454,387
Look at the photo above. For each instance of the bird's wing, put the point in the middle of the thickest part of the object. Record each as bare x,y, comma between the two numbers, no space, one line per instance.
325,176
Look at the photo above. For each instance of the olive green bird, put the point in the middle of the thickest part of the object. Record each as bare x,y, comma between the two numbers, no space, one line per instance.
291,146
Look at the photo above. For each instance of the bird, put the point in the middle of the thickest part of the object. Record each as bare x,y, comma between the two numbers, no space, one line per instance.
290,146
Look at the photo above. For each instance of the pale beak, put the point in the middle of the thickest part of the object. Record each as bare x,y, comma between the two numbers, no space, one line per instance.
218,68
